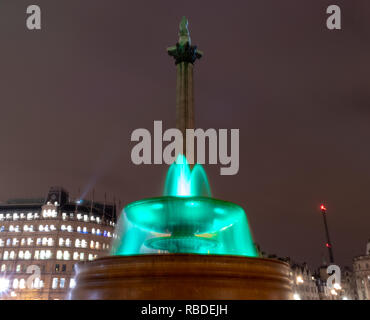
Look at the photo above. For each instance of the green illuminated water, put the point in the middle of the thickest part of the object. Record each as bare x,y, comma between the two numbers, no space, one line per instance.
184,220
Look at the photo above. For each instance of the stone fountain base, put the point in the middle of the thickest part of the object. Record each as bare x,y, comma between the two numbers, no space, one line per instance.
183,276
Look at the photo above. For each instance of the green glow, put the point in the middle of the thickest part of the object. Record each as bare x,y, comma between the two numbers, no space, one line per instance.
181,181
185,220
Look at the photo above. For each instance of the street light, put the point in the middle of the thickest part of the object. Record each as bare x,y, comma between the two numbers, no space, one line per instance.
296,296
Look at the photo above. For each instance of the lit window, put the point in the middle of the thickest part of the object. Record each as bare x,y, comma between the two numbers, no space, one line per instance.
62,282
36,283
66,255
52,227
12,255
109,234
93,230
8,242
18,268
25,228
27,255
38,241
75,255
22,284
15,283
23,241
20,254
64,216
29,216
77,243
16,229
82,256
2,243
63,227
92,244
86,218
42,254
84,230
47,254
68,242
78,229
3,267
46,228
55,283
36,216
91,257
69,228
44,241
79,216
59,255
54,213
15,242
41,227
83,243
97,245
22,216
98,232
15,216
72,283
11,228
4,284
50,242
1,217
37,254
30,228
61,242
92,218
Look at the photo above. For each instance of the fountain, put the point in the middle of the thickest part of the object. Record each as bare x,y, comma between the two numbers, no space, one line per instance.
184,220
185,244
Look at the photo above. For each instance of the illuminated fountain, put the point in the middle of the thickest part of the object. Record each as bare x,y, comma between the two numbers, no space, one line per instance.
185,220
185,244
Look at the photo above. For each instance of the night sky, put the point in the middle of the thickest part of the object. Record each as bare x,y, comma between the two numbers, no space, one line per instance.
72,93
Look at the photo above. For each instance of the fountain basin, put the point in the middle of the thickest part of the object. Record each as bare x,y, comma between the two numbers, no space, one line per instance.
183,277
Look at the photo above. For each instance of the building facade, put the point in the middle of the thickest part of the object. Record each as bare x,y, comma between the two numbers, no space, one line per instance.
42,242
303,283
361,269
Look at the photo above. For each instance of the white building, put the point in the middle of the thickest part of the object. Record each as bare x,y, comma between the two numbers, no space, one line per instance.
41,242
361,269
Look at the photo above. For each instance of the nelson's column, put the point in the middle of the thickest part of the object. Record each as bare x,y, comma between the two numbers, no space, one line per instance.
184,244
185,55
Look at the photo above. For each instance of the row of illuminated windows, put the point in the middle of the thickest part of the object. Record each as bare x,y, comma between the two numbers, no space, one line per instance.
49,213
21,216
47,254
65,255
79,243
47,228
21,284
29,228
22,268
37,283
60,283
